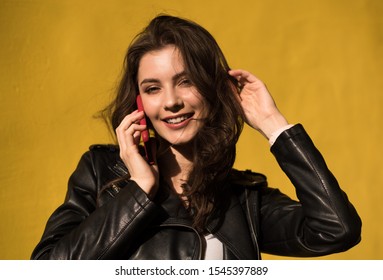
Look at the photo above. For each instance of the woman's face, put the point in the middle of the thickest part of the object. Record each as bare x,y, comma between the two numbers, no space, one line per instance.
171,102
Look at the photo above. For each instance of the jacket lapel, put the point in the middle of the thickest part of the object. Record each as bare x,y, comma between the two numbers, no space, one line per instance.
233,231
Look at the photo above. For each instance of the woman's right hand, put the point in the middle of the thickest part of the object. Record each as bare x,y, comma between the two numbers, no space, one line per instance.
128,136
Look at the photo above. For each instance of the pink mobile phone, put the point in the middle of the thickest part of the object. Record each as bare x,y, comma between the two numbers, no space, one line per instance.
145,134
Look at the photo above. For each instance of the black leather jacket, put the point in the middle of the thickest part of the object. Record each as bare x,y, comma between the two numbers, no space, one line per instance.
125,224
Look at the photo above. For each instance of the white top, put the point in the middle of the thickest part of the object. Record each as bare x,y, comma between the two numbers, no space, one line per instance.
214,248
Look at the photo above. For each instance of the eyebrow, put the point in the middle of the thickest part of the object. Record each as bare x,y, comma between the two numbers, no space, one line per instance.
153,80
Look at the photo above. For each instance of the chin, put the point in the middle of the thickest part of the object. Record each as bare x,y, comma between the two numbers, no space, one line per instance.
179,141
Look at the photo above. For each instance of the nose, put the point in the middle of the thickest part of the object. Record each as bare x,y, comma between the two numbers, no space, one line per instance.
173,102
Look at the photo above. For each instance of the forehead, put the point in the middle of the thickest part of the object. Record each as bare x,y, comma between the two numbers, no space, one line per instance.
160,62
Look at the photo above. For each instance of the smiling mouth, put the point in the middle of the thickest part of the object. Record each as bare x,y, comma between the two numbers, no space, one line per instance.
178,119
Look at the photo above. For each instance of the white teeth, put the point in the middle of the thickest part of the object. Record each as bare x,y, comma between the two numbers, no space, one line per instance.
177,120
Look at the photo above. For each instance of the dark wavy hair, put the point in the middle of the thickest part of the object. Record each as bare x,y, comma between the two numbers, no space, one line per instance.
207,68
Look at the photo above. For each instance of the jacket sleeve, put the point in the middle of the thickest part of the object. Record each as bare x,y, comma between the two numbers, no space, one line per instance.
323,221
80,230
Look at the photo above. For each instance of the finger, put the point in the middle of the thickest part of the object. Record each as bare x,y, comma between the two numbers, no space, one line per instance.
129,140
137,137
243,76
134,117
131,136
126,124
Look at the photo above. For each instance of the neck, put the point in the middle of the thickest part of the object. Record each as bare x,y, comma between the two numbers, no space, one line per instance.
175,164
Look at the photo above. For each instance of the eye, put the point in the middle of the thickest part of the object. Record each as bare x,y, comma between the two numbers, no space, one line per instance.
151,89
185,82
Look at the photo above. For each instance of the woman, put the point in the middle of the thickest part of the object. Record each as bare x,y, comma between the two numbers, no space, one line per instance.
191,203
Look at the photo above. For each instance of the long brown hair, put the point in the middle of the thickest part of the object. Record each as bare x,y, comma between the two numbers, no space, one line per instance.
207,68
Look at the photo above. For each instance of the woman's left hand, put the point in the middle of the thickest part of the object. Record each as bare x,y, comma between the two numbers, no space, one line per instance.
261,112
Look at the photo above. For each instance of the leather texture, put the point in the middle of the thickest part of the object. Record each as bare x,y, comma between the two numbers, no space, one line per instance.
122,223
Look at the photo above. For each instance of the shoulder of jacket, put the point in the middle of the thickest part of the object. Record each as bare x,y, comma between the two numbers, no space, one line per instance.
104,153
247,178
106,158
104,147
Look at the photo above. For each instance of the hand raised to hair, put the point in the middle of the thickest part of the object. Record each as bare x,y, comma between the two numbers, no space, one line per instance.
128,136
261,112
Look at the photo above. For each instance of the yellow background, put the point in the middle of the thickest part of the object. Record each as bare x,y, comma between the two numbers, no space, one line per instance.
60,62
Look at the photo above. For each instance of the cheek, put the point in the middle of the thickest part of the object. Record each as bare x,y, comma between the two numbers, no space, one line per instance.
195,99
200,105
151,106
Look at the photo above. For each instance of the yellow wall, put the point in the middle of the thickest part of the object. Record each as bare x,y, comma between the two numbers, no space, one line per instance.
60,61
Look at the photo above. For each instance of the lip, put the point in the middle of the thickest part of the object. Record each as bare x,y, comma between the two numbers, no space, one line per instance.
180,124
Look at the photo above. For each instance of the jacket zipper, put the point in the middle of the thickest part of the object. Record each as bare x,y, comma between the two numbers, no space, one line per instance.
252,228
